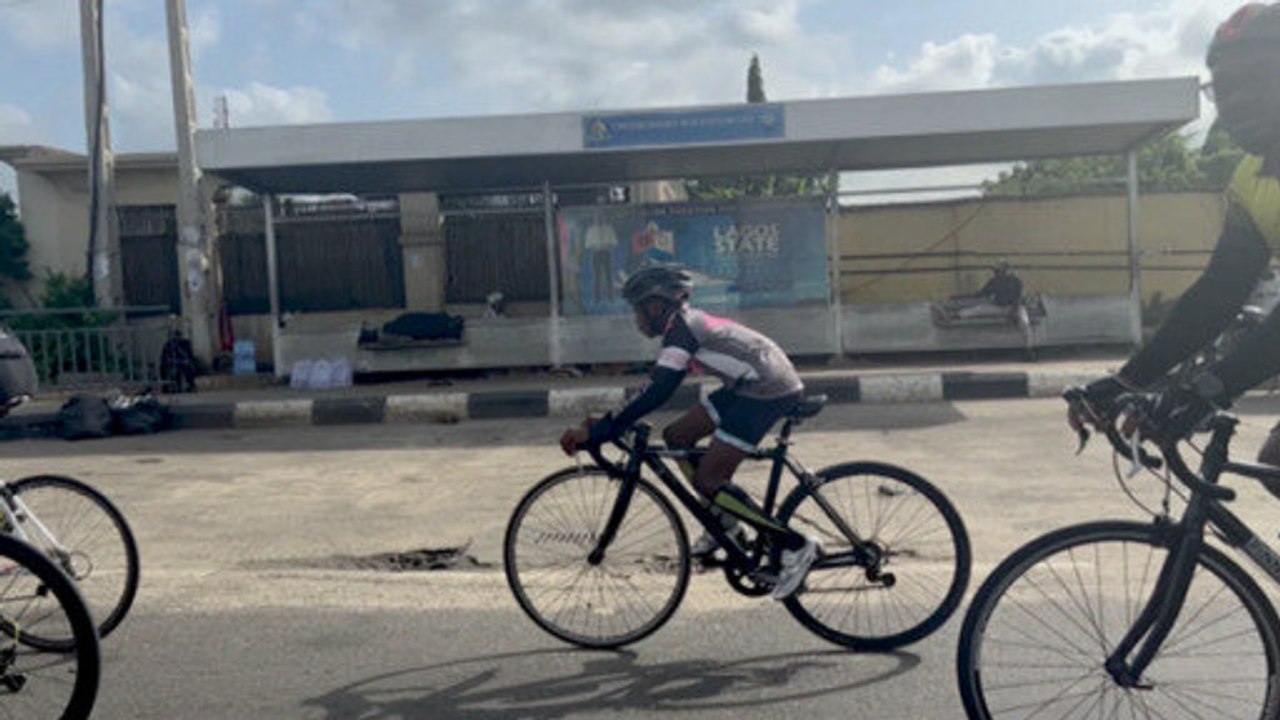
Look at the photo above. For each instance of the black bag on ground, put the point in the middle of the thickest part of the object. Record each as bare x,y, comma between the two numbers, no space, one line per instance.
83,417
139,415
426,326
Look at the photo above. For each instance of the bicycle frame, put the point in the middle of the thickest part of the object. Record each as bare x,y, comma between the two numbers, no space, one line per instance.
641,454
17,516
1184,540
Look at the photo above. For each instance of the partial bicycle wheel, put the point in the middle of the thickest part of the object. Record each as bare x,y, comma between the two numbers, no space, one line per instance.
906,577
87,536
629,594
1038,631
36,597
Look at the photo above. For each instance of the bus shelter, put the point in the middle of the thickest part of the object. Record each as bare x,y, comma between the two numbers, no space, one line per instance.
545,153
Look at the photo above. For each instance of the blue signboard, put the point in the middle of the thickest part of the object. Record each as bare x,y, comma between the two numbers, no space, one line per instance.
747,254
754,121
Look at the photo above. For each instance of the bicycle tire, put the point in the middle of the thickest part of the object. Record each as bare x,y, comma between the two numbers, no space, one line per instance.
919,534
101,554
1104,572
549,536
34,593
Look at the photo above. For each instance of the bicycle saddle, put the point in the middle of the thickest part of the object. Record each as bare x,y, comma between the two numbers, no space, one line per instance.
807,407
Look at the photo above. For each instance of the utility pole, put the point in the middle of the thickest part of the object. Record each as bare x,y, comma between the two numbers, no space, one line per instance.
198,291
103,253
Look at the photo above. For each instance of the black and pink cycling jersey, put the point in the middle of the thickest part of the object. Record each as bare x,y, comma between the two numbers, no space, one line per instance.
748,363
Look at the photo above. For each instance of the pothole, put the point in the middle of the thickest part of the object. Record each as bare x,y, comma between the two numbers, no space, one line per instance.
420,560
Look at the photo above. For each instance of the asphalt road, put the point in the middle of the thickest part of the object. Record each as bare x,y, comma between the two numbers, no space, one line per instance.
265,593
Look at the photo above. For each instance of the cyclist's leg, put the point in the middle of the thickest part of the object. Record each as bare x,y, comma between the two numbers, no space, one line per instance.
740,424
686,431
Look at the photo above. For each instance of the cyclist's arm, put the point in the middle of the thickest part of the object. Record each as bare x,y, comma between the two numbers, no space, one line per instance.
658,391
1254,360
678,348
1209,305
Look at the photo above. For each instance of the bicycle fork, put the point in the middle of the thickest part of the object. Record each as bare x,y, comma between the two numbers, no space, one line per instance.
1156,620
626,490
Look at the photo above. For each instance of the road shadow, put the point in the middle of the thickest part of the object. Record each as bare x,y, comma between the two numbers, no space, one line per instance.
548,684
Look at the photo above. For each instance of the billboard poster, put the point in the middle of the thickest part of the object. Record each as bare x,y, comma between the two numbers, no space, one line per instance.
753,253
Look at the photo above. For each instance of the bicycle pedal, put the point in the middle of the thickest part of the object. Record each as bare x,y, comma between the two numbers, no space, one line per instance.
708,562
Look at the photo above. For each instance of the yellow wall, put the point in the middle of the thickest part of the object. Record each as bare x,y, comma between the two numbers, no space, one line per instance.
1059,246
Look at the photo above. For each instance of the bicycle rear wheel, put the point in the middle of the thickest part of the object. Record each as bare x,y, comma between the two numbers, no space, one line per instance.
90,540
1038,631
631,593
917,569
36,597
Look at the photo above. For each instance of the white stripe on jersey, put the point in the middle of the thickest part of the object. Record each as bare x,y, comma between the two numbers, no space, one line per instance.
727,365
675,358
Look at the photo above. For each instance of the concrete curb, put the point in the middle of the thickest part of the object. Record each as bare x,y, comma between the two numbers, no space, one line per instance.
449,407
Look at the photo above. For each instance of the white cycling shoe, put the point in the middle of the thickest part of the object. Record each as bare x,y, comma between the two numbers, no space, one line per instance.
795,565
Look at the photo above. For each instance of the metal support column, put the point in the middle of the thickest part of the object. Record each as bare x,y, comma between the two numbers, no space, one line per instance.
553,273
1135,252
832,227
273,283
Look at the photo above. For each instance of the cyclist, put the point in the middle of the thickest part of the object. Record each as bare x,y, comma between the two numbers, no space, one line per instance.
759,386
1244,59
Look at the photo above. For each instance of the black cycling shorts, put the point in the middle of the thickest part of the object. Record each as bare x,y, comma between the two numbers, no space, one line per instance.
742,421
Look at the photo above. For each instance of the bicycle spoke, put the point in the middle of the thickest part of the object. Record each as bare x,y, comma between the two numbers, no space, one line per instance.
635,585
1052,611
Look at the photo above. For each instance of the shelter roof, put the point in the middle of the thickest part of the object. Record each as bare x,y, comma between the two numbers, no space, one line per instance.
851,133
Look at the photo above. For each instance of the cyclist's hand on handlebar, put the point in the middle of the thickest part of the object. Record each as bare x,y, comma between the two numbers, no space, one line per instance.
1098,406
574,438
1177,413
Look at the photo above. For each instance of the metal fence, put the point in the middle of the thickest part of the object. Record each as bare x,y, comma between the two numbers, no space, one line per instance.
80,348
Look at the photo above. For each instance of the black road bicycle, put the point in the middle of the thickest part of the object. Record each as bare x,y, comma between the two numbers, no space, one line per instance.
598,556
1123,619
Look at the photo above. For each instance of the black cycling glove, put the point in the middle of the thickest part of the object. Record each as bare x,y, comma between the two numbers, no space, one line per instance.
1183,407
1102,394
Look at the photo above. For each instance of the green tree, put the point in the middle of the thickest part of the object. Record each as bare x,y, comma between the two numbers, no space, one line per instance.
13,243
755,81
760,185
1168,164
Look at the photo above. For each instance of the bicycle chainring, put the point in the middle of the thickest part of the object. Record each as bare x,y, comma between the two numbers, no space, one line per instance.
744,583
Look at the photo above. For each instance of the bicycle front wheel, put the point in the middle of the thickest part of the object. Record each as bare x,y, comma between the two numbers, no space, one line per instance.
88,538
1037,634
903,579
36,597
630,593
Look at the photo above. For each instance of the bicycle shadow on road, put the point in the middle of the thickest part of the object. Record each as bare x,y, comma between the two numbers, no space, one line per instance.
560,683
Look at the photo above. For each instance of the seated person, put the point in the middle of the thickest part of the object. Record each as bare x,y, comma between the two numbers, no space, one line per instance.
1002,290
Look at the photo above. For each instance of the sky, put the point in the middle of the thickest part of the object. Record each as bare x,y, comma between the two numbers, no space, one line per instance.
315,61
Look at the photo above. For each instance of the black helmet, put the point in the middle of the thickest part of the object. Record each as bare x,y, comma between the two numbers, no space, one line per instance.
669,281
1253,24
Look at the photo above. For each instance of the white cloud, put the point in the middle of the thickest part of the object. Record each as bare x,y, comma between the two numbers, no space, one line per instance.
43,24
1161,43
16,126
533,55
966,62
262,104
